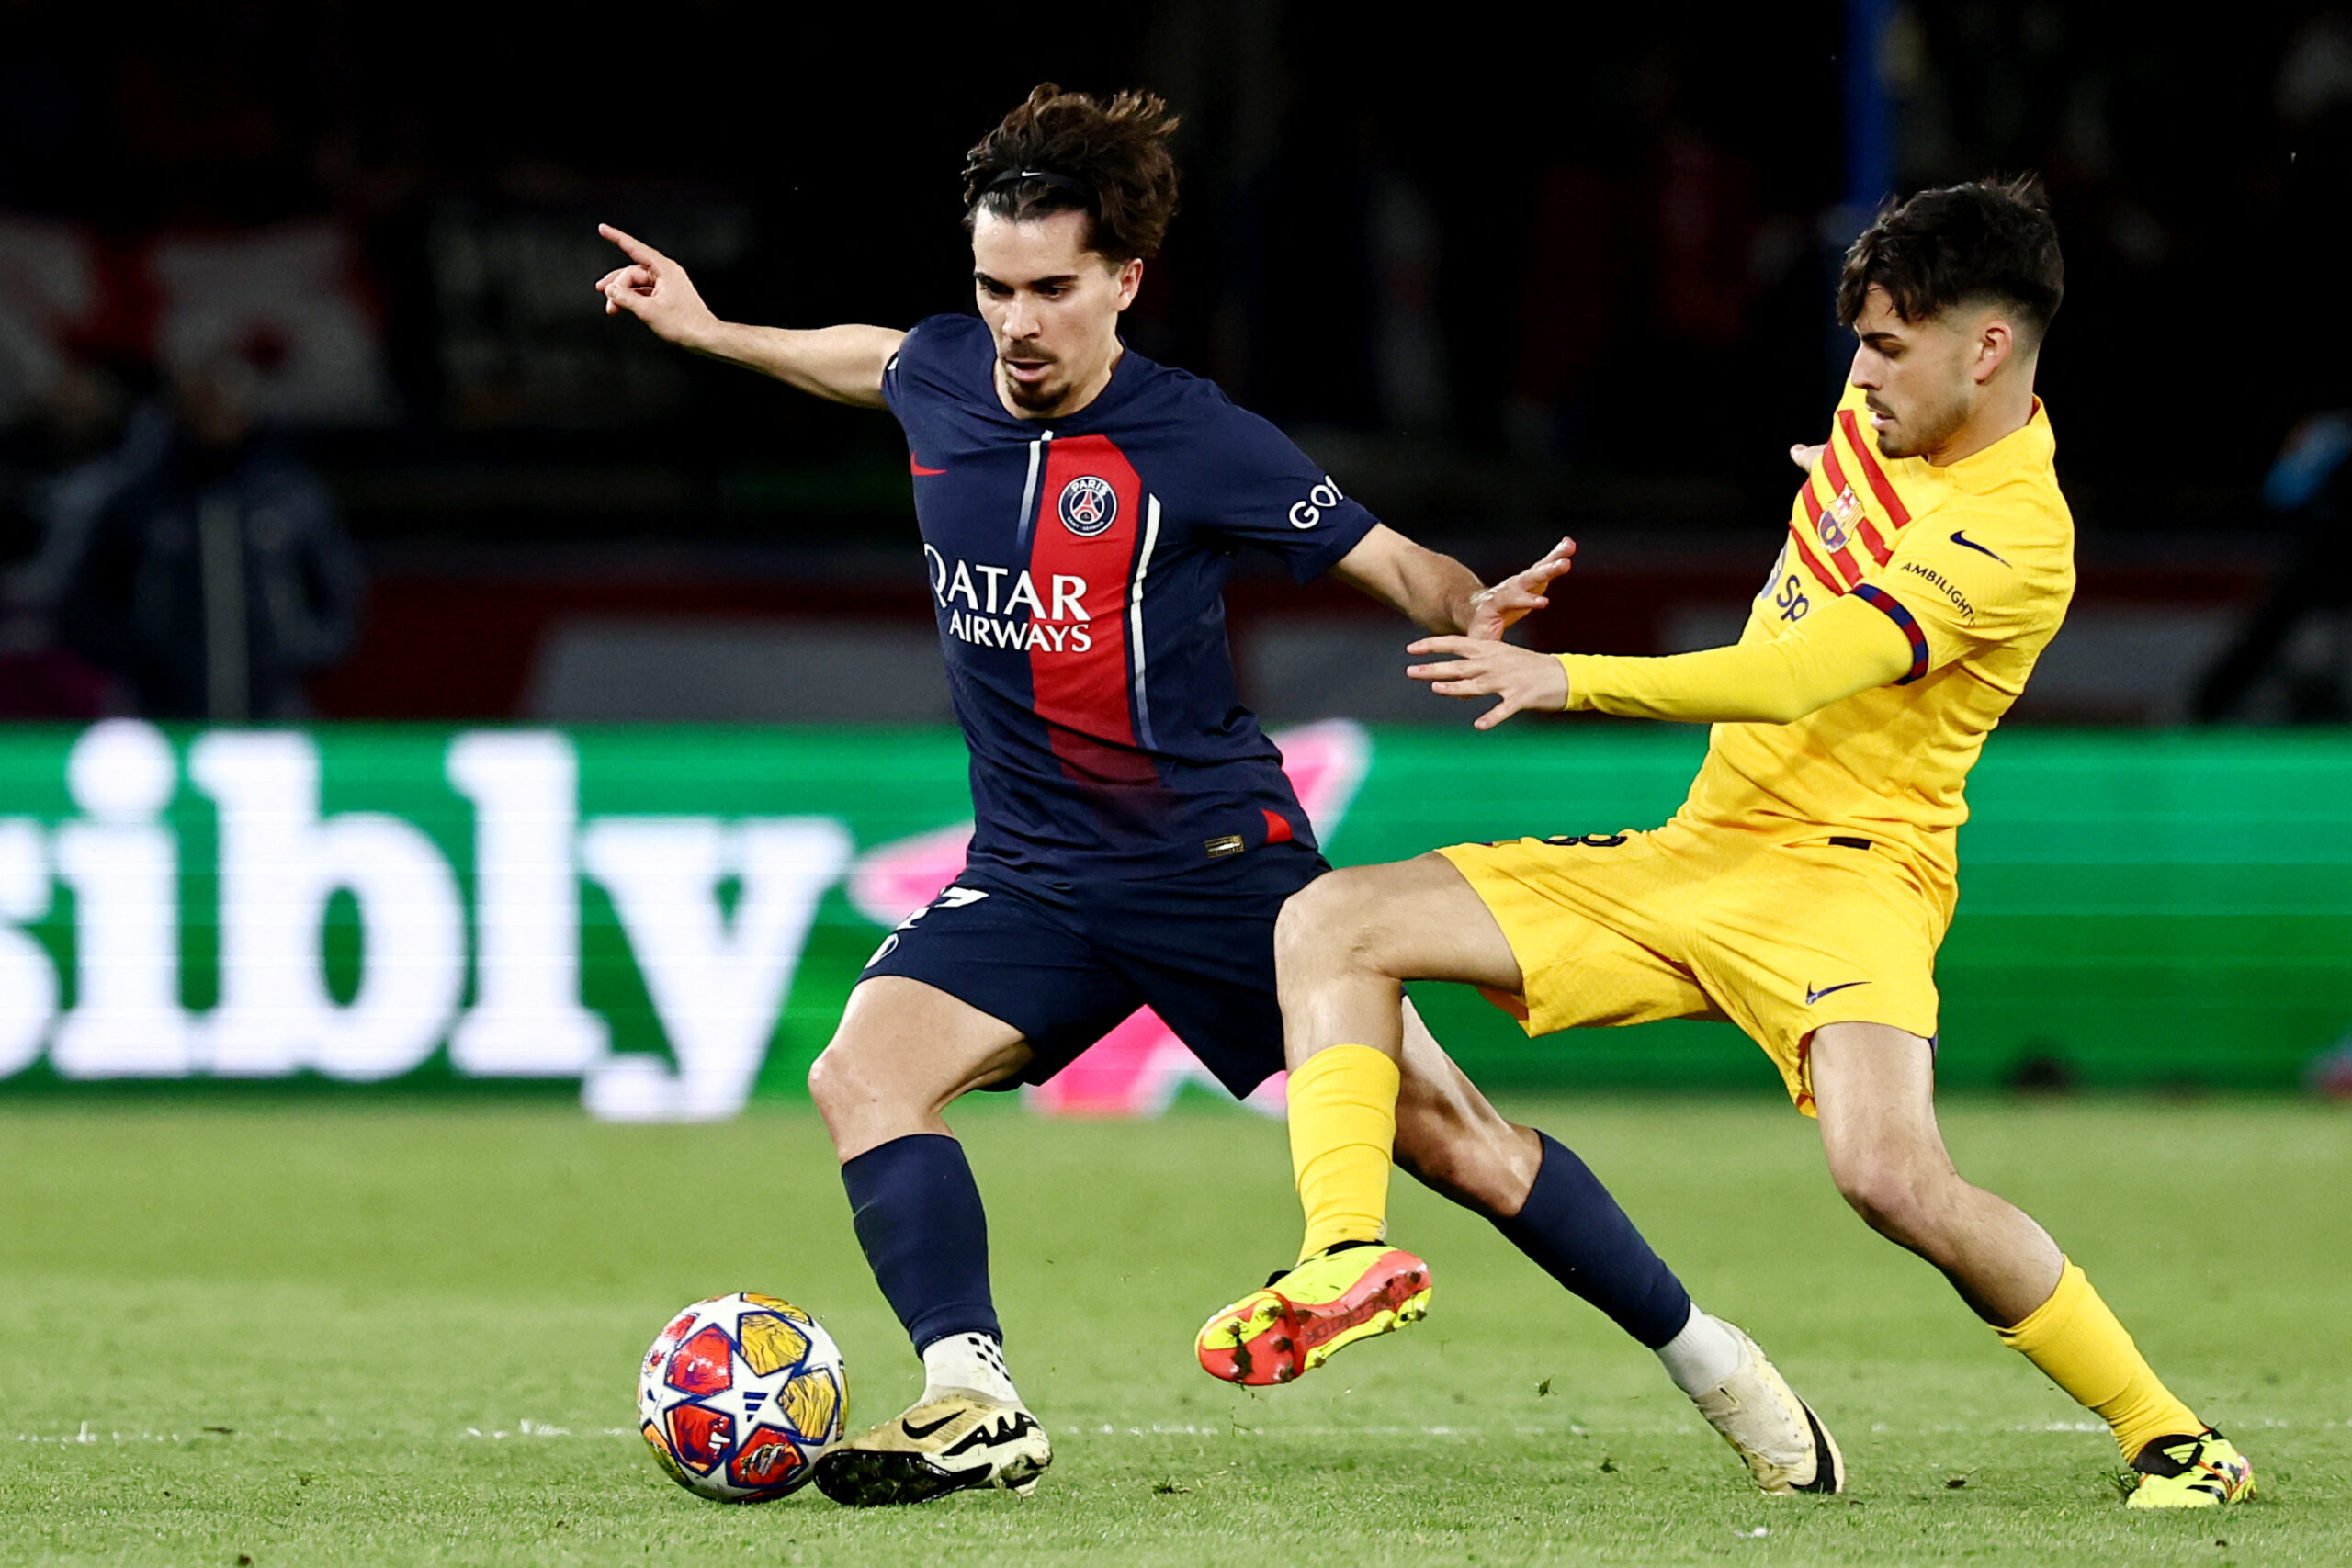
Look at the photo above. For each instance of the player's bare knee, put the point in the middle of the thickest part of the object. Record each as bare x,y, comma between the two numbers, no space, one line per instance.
845,1076
830,1080
1889,1191
1323,925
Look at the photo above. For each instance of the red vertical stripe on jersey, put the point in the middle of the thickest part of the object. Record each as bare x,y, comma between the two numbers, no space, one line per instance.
1849,571
1880,486
1082,694
1839,485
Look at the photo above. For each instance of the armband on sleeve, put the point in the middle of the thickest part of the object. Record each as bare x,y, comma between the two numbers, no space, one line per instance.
1850,645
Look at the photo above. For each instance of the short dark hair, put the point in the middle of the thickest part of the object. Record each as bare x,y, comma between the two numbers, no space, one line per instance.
1108,159
1987,240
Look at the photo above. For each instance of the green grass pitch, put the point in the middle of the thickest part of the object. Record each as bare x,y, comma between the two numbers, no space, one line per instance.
306,1334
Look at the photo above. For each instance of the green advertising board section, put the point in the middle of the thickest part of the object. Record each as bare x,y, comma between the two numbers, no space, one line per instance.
2146,909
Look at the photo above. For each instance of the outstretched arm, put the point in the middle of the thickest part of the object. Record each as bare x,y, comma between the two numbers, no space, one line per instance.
843,363
1846,646
1439,593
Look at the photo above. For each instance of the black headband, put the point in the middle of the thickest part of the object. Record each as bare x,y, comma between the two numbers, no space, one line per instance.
1043,176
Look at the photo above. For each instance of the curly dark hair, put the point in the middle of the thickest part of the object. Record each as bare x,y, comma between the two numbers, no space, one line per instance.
1985,240
1108,159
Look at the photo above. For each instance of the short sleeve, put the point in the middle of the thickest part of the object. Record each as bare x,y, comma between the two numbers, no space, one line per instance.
899,373
1253,486
1969,578
930,356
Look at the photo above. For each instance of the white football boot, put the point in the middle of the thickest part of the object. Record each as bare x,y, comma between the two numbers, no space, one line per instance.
1784,1444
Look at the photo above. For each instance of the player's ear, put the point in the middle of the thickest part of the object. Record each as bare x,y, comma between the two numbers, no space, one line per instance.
1128,278
1996,341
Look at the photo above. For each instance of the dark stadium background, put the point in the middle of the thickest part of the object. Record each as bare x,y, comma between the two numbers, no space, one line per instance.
1502,288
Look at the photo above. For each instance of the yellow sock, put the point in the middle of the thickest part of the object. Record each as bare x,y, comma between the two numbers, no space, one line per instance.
2079,1343
1342,1136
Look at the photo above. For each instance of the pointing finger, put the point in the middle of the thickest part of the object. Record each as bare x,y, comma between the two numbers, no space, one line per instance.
631,246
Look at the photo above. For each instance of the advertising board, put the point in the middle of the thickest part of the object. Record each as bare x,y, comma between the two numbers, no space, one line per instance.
670,918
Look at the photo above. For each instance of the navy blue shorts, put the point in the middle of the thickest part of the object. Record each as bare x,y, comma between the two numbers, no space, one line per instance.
1065,962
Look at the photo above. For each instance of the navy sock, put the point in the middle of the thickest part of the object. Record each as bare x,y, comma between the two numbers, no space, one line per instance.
1576,1232
918,1218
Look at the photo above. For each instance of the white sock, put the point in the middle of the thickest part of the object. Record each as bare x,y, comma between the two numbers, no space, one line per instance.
1701,1356
968,1363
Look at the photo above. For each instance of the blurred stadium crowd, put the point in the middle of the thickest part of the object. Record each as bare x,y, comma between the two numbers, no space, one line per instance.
306,406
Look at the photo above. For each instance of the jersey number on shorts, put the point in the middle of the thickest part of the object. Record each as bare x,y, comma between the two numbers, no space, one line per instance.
1569,841
954,898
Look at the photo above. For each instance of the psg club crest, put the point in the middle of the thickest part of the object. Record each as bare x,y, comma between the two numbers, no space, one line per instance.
1089,505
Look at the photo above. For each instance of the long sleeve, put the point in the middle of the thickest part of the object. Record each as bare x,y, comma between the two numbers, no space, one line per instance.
1850,645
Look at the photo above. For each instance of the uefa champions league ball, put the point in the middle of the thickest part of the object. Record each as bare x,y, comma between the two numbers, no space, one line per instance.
739,1395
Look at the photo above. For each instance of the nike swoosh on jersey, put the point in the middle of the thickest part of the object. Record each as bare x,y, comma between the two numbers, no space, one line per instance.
1812,998
1959,538
914,467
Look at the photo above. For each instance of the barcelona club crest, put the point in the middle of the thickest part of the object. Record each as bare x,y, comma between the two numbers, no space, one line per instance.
1089,505
1838,519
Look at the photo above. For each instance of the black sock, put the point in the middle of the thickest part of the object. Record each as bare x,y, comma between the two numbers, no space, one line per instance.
1576,1232
918,1218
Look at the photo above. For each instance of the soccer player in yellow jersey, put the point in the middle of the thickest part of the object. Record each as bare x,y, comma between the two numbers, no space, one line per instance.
1804,888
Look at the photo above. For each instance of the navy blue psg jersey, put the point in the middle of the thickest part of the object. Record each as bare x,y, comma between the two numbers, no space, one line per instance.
1077,566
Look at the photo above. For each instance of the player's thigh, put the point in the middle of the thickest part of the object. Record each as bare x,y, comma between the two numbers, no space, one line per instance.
1873,1089
987,986
1796,938
1414,919
1593,923
905,1043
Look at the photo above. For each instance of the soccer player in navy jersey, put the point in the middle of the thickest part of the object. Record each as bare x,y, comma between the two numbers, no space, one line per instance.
1135,836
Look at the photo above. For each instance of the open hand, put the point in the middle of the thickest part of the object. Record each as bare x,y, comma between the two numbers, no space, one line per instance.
1481,667
1494,610
654,289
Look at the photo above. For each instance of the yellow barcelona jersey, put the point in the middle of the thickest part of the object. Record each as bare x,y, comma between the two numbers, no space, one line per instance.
1974,561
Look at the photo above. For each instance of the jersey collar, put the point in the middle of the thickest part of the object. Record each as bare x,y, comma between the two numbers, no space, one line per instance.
2029,447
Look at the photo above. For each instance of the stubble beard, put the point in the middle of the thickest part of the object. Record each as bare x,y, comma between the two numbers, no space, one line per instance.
1933,414
1921,432
1042,397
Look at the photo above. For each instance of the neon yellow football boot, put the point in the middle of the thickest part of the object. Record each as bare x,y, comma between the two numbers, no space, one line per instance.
1344,1293
2200,1471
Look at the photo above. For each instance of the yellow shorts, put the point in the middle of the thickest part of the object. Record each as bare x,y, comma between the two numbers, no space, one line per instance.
1688,922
